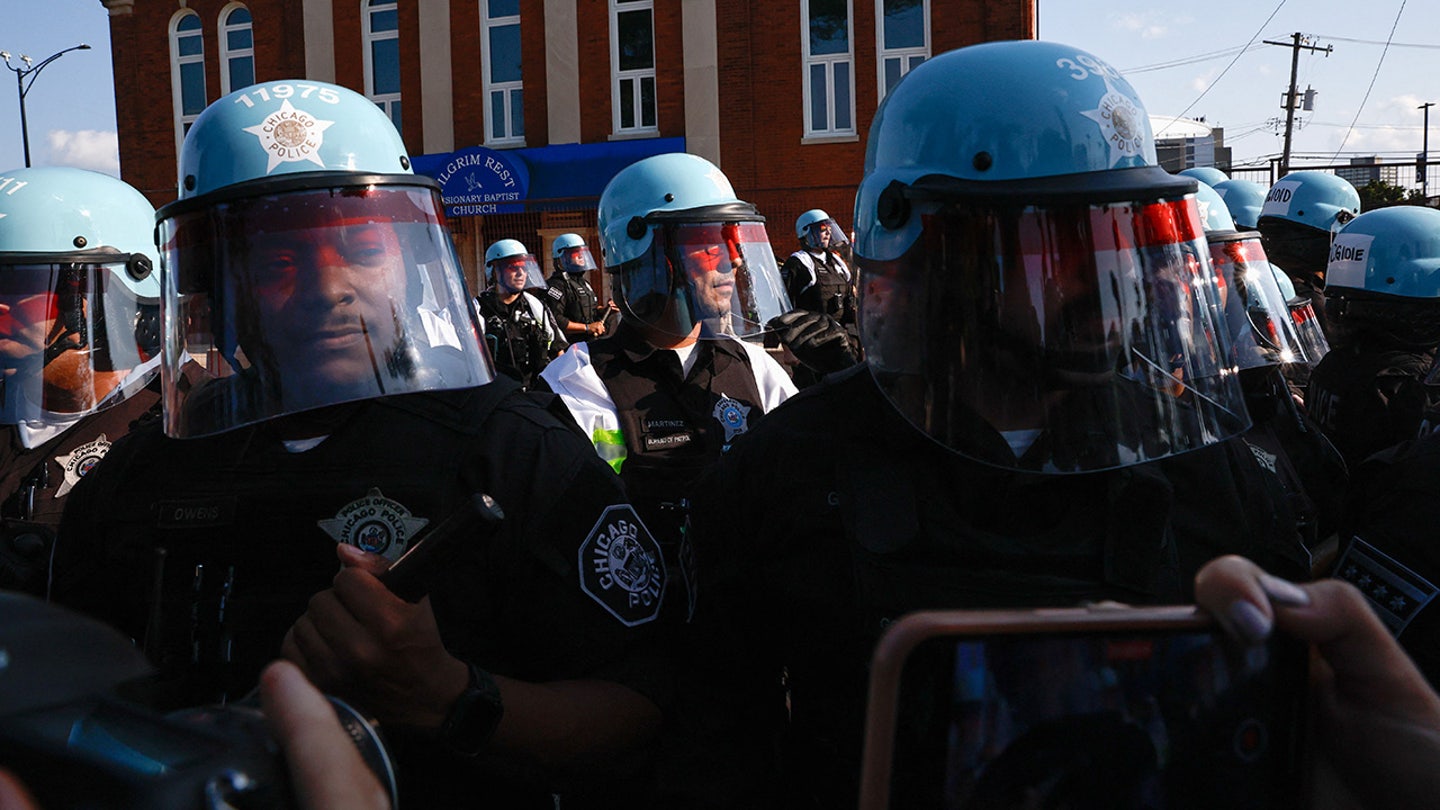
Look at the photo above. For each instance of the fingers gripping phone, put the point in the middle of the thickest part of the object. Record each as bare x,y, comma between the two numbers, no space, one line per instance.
1114,707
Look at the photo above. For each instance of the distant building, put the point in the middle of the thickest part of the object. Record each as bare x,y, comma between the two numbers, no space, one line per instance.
1185,143
1368,169
559,94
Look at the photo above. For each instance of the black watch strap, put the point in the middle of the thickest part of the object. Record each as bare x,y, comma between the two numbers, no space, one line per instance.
475,715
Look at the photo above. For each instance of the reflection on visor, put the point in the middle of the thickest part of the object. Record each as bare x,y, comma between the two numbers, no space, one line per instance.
517,273
1056,339
297,301
577,259
824,234
72,341
1259,322
719,277
1311,335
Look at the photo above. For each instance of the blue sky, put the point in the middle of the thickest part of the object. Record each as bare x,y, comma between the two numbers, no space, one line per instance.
72,109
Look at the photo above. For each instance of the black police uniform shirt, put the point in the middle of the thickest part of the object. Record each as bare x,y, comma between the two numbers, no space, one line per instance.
1292,448
571,298
36,481
248,532
837,516
1368,396
520,334
1388,548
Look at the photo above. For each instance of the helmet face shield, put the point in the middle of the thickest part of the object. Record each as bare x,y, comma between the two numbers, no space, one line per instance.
517,273
288,302
74,339
1068,337
720,276
575,260
1308,330
1261,331
824,235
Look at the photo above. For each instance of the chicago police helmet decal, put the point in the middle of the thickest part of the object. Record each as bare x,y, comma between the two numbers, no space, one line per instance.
289,135
621,567
375,524
1118,115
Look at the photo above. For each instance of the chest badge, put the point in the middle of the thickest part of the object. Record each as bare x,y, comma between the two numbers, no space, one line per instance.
621,567
79,462
733,415
375,524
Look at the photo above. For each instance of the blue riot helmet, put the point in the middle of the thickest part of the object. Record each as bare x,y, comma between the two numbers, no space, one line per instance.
1384,278
1205,174
685,253
569,254
1301,214
80,329
306,265
1306,320
817,230
1214,216
1243,199
1036,291
511,267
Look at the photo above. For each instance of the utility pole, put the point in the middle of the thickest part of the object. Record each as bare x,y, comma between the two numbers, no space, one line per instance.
1294,45
1423,164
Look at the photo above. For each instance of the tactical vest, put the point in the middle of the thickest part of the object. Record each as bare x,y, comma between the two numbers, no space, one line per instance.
1344,398
220,542
521,338
829,290
674,428
574,297
35,482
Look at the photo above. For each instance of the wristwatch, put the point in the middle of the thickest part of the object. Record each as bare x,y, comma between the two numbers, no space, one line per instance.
475,715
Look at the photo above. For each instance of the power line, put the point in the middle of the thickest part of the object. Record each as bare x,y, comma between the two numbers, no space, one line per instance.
1373,77
1208,88
1386,44
1190,60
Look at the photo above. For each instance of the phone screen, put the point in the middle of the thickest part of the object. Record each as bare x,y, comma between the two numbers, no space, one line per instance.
1167,719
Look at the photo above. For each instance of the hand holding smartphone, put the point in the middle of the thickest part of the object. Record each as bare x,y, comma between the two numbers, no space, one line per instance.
1111,707
408,577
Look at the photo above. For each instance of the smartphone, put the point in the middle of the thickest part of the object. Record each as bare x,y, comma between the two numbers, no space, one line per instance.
1114,707
409,576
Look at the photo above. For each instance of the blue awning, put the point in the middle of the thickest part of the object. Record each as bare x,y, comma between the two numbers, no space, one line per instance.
479,180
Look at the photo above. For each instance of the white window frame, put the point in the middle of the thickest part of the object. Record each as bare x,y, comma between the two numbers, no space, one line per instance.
829,61
177,91
386,101
226,54
618,76
505,89
903,54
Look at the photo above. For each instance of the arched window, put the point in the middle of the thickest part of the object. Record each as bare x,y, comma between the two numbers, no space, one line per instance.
382,55
500,31
237,49
187,72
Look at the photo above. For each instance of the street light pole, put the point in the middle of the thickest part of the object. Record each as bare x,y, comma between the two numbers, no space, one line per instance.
1424,162
32,72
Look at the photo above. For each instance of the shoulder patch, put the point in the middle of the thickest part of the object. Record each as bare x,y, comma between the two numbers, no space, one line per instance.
555,292
621,567
1396,593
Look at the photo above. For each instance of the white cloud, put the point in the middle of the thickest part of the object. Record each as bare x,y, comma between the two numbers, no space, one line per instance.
85,149
1149,25
1204,80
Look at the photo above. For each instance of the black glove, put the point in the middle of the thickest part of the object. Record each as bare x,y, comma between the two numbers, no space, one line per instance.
817,340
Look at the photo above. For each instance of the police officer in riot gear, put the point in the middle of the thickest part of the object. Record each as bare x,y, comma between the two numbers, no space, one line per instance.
1046,415
1289,445
818,281
569,294
522,334
1302,213
79,345
1382,302
677,382
327,396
